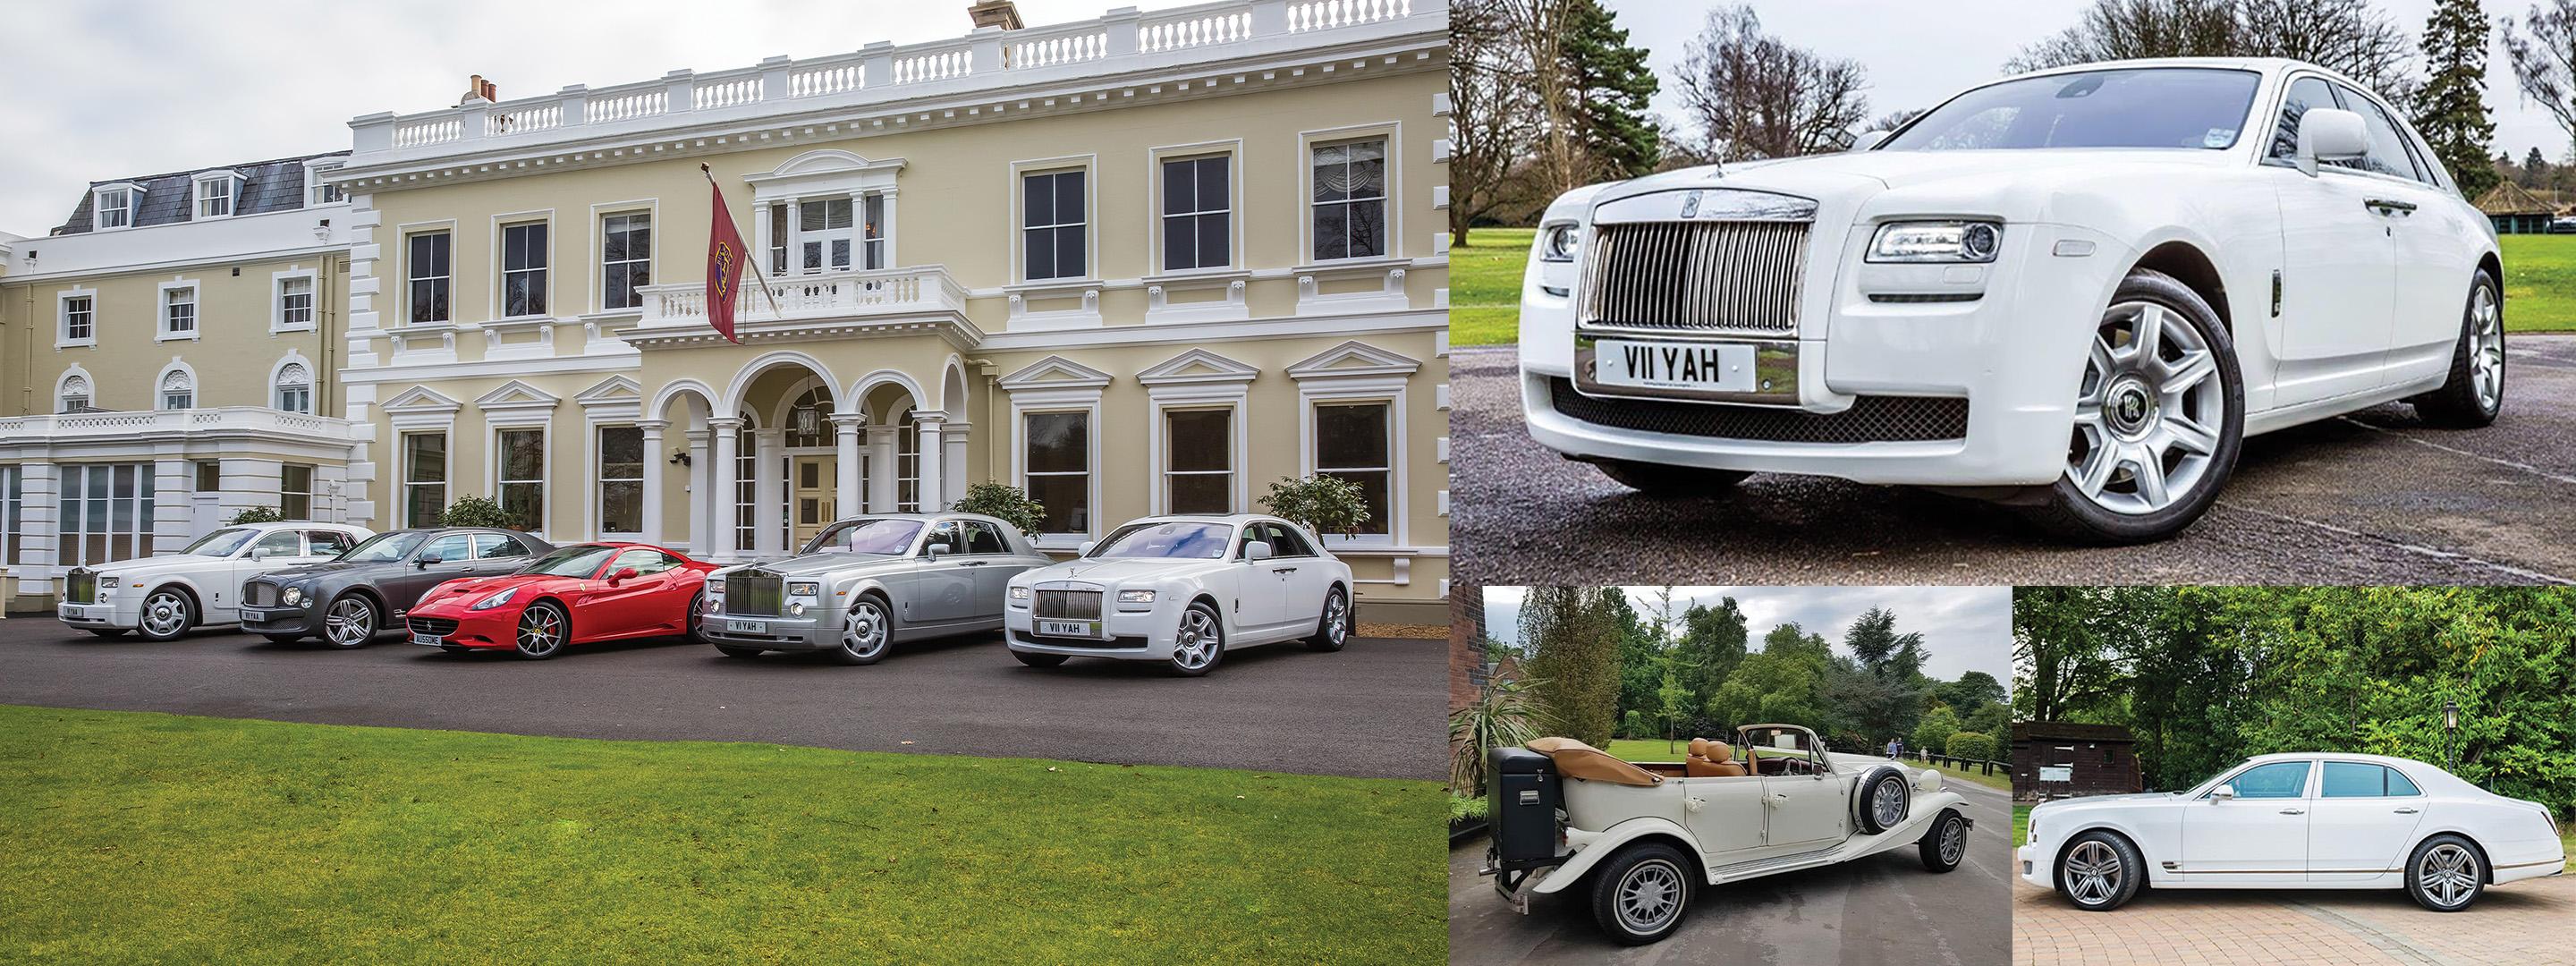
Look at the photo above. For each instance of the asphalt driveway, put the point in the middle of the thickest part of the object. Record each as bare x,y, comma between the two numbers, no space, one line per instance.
2530,923
1372,709
2374,497
1881,909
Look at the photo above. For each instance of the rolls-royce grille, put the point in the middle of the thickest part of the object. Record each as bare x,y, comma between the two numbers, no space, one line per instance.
81,587
758,595
1871,419
1077,605
433,626
1738,276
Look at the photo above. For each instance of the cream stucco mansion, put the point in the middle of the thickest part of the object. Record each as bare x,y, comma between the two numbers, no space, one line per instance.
1139,264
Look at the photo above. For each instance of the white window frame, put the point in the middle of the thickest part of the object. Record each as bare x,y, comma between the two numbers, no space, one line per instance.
63,338
404,485
499,466
501,271
278,386
132,195
317,192
1163,471
799,236
200,193
1160,220
651,212
277,307
287,494
161,331
1016,236
1310,442
408,235
1307,143
63,385
72,498
1090,471
162,393
599,485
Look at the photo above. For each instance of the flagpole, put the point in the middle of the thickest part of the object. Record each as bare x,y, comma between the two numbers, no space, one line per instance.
756,273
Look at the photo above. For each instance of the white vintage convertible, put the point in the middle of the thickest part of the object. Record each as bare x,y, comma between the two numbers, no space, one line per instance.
1643,836
2074,291
2306,821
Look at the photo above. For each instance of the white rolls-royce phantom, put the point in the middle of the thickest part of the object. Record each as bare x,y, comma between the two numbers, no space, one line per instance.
2074,291
164,596
1182,590
2305,821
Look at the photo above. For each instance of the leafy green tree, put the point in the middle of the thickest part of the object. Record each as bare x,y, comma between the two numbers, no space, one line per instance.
1324,504
1674,706
1006,502
1573,638
2451,108
476,511
1641,662
1886,699
1613,85
1781,684
1992,719
258,514
1711,645
1937,726
1972,690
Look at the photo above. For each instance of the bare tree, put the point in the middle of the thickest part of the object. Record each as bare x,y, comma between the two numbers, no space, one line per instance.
1491,116
2543,49
1755,96
2351,36
2132,29
1532,34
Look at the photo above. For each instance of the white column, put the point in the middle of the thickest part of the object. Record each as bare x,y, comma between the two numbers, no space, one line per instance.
795,236
760,238
932,454
728,440
768,491
952,469
881,459
174,504
701,495
654,468
845,439
40,508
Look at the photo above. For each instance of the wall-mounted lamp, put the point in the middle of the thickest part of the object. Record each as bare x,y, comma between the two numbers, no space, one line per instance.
680,458
808,420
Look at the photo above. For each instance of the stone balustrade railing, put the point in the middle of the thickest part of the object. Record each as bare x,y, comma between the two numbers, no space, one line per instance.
171,422
884,291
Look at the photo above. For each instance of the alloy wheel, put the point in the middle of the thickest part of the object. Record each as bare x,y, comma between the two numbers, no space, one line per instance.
2486,347
2093,873
1954,840
350,622
2148,411
863,632
541,632
2448,873
1196,645
1337,614
1649,896
165,614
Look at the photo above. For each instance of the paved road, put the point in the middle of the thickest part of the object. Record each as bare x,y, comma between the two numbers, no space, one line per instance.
2529,923
2375,497
1372,709
1878,910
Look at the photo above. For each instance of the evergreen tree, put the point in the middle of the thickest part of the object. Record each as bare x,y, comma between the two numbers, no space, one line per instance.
1712,644
2451,111
2535,169
1573,636
1613,84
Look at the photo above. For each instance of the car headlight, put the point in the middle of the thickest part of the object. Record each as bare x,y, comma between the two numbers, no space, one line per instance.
805,588
1135,597
294,597
495,600
1560,243
1019,593
1936,241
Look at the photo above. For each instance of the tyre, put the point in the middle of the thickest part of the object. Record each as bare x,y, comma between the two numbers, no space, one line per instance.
1946,843
1333,629
1199,643
693,623
865,633
2100,871
110,632
2446,873
351,621
729,650
1640,894
167,614
1885,797
1670,482
1038,660
283,638
2474,393
543,630
2160,415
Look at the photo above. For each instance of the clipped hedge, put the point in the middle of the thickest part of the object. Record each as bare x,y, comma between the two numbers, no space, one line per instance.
1970,745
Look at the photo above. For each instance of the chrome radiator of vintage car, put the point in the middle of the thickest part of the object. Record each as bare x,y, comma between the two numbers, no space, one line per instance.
754,593
1080,605
1715,276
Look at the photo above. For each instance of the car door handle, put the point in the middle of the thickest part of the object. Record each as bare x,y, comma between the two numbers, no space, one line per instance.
975,563
2294,811
2383,204
2408,810
1283,570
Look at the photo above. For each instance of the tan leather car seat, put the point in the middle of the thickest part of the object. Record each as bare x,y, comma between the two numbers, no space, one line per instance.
1722,759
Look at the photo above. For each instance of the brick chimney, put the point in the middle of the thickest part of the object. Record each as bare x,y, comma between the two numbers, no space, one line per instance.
478,89
995,13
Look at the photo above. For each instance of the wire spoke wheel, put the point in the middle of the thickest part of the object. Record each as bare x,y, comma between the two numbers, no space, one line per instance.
2148,412
1649,896
1954,841
1196,646
1889,807
541,631
2093,873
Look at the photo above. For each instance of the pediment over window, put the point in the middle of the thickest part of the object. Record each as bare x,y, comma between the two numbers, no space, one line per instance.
420,399
515,395
1197,365
825,172
614,389
1355,358
1056,372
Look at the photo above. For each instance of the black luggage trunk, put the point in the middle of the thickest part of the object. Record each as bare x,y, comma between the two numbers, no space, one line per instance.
1526,796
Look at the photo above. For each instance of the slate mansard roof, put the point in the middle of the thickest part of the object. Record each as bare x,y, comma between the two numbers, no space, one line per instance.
266,186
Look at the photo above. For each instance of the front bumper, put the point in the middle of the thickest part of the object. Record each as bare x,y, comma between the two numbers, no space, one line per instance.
281,620
811,632
2038,859
1145,634
459,626
113,615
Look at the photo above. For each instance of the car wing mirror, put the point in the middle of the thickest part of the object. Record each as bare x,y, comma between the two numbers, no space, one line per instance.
426,559
1869,139
2224,792
937,549
259,553
1086,548
1256,551
622,575
2329,134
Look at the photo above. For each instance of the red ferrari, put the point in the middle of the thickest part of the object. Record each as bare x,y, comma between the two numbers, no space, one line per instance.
580,594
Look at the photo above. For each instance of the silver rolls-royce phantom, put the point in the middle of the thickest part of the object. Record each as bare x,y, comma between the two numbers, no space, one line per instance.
865,584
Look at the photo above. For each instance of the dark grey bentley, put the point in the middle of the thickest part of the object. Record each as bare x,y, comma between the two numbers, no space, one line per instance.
346,601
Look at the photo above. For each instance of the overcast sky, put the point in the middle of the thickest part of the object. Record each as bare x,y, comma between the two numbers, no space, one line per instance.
101,89
1920,53
1964,628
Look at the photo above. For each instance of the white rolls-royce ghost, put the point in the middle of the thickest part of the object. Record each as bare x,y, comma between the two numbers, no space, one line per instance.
2303,821
2074,291
166,595
1183,590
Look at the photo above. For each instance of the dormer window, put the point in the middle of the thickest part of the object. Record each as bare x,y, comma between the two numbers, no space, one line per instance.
318,189
217,193
112,206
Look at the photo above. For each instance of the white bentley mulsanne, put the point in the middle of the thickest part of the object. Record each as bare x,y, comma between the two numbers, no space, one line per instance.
2074,291
2306,821
1642,837
166,595
1183,590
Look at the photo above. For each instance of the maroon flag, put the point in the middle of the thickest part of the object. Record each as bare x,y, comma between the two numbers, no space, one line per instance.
728,260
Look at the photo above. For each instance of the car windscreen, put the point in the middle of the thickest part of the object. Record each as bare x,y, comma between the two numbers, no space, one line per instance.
2164,107
221,543
1182,541
384,548
581,560
878,536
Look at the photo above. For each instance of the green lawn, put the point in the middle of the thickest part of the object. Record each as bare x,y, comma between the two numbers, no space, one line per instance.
1485,285
2021,825
157,838
1631,749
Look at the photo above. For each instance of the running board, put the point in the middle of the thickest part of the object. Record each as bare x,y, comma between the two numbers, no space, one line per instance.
1784,863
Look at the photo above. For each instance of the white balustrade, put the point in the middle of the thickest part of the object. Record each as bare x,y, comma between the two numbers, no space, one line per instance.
171,422
721,91
1193,29
935,65
832,78
624,103
813,296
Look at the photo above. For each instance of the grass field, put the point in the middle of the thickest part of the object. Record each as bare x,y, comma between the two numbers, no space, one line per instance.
156,838
1631,749
1485,284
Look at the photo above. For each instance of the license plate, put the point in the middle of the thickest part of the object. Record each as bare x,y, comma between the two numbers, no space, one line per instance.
432,640
747,627
69,611
1690,366
1069,628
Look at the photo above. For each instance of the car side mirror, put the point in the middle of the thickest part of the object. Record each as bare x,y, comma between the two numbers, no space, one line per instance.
2330,134
1868,139
622,575
259,553
1085,549
1256,551
2224,792
426,560
937,549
